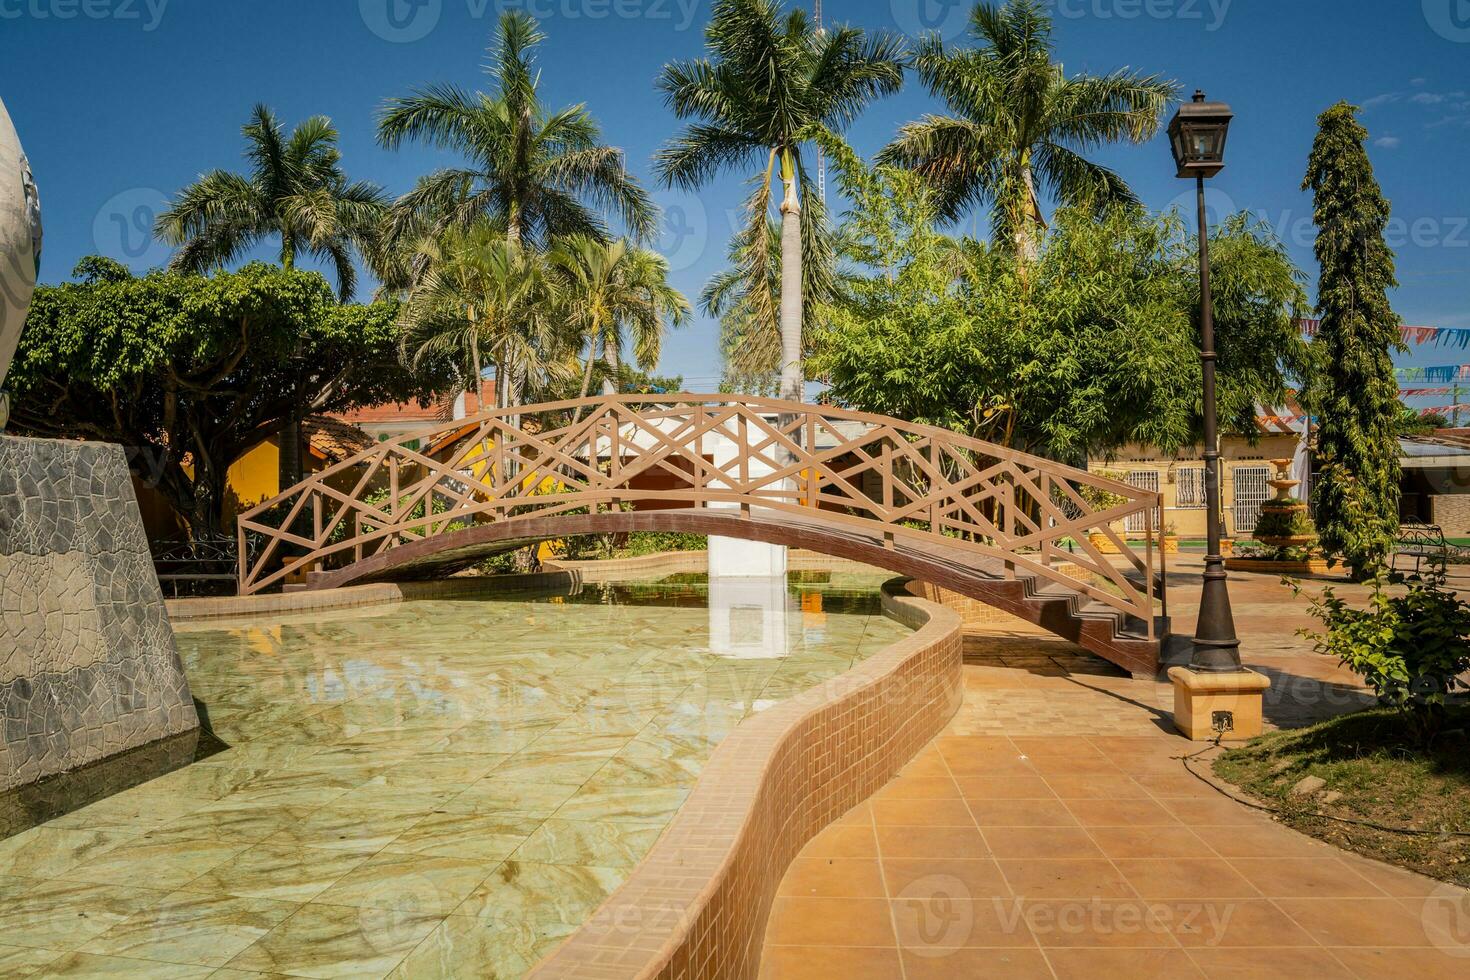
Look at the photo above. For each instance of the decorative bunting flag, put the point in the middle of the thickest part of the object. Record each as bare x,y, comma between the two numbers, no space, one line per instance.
1439,374
1424,392
1451,336
1444,409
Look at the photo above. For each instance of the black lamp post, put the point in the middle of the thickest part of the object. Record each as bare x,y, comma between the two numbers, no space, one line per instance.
1197,137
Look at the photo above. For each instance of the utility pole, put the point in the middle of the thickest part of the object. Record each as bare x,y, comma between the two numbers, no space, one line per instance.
1455,412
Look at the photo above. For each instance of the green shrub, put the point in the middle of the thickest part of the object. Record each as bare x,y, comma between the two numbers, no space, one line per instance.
1292,523
1409,647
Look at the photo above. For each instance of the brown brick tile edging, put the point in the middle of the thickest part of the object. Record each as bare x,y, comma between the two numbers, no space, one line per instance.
286,603
696,906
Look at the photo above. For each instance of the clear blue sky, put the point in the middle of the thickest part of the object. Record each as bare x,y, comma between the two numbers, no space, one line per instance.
119,103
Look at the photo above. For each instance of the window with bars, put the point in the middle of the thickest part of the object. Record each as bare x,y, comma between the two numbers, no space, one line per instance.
1143,480
1189,487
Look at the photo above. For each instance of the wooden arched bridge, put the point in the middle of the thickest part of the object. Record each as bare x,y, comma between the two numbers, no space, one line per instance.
1027,535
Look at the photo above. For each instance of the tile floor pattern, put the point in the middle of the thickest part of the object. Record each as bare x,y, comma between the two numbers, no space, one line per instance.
421,790
1091,856
1053,832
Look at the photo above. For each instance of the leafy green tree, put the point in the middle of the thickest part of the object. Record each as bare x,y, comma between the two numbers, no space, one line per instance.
532,172
1021,125
1099,349
1354,392
482,298
190,373
771,83
612,292
295,190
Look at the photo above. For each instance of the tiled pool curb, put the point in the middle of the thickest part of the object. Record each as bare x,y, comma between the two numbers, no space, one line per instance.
353,596
697,904
557,575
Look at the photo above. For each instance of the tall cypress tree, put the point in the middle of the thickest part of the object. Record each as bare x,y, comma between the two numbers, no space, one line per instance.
1355,394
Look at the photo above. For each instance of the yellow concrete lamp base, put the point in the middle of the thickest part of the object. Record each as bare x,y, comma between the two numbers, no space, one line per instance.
1218,705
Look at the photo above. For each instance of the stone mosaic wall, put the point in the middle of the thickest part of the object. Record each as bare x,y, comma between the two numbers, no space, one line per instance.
88,666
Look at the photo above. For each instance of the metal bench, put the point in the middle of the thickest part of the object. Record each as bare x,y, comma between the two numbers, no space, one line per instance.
208,566
1418,543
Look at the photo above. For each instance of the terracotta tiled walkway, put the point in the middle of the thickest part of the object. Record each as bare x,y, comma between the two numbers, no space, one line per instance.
1053,831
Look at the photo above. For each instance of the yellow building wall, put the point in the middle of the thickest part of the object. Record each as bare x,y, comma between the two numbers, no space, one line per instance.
1189,522
254,477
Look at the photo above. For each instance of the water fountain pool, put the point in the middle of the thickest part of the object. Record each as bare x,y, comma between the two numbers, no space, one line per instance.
432,788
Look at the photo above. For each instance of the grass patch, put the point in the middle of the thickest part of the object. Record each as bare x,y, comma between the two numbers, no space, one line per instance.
1384,777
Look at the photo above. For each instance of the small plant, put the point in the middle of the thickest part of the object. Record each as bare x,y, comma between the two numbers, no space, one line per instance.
1274,524
1100,498
1255,551
1409,647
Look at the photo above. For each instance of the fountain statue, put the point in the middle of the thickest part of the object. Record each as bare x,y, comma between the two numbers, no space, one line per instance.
20,247
1284,521
88,666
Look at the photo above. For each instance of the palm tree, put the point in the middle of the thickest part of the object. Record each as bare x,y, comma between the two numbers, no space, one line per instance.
1021,124
772,83
612,290
482,298
295,190
534,173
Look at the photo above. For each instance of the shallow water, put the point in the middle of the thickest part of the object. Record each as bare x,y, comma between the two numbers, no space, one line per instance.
436,786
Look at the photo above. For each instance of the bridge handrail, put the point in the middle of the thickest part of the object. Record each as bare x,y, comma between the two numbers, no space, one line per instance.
785,446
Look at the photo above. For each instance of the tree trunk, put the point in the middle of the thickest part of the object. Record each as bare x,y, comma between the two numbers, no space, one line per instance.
793,379
205,512
611,357
1028,247
586,377
290,444
513,227
479,383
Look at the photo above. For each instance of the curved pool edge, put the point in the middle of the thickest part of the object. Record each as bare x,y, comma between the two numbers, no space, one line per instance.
191,610
697,904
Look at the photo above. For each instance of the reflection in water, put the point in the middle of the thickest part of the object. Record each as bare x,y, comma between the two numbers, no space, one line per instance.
486,770
747,617
55,796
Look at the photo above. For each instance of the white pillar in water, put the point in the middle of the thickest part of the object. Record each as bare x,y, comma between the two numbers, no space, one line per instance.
748,616
738,558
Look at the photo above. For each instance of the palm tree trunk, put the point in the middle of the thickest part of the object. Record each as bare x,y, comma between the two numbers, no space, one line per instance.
1029,223
611,357
513,227
479,384
586,377
793,379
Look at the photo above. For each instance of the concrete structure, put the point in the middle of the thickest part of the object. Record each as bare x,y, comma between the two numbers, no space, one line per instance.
1436,480
88,666
20,246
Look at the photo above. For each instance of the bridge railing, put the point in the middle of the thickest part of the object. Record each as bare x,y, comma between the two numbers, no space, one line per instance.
910,485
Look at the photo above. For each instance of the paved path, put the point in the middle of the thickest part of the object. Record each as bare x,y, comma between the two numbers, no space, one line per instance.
1053,831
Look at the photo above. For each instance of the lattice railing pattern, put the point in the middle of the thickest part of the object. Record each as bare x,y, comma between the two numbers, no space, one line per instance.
911,485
